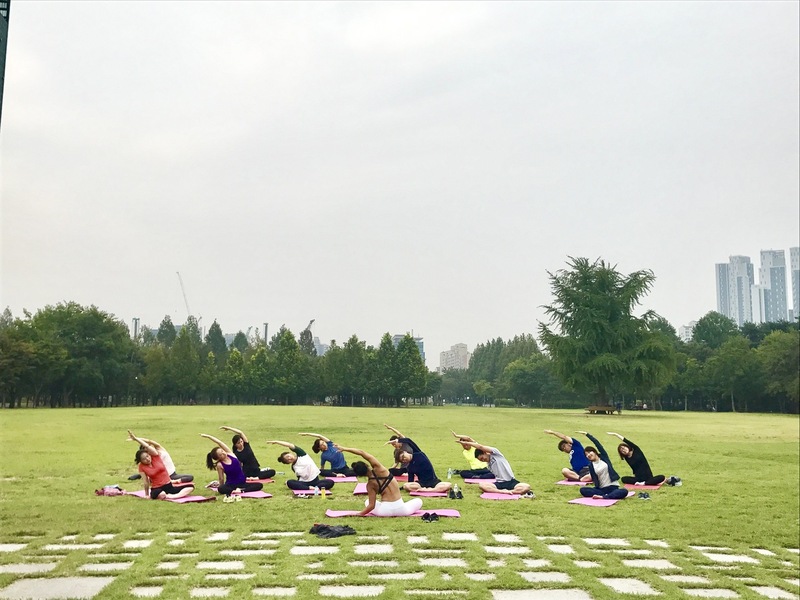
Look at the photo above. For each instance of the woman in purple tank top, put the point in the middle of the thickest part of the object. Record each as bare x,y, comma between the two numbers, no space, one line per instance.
229,469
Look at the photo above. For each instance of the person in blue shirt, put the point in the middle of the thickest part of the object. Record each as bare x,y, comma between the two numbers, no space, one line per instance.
419,467
331,455
579,464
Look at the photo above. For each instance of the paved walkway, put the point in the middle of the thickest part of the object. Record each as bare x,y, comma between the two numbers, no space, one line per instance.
443,563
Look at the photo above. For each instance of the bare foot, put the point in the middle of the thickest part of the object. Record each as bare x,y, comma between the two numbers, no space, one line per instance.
597,497
162,496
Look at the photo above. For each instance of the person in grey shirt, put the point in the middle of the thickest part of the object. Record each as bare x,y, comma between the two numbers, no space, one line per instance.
505,482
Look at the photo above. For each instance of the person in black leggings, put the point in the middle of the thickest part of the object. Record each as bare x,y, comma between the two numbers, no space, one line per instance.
637,461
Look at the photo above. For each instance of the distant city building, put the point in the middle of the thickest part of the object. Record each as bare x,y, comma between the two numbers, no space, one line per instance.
734,289
772,278
456,358
320,347
794,266
417,340
685,332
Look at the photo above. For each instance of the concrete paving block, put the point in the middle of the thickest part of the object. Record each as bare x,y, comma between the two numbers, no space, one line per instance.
259,552
176,542
137,544
764,552
372,538
536,563
657,543
507,538
57,547
551,538
710,548
793,581
547,576
437,592
586,564
229,576
179,533
560,548
570,594
793,550
438,551
401,576
104,567
269,542
55,588
626,585
710,593
320,576
497,563
443,562
769,591
506,549
221,565
274,592
168,565
389,564
606,542
480,576
104,537
308,550
657,564
373,548
219,536
209,592
27,568
459,537
447,577
685,578
147,591
417,539
68,538
271,534
730,558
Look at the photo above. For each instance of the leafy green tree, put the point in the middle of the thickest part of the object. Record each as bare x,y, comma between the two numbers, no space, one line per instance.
410,372
215,342
166,332
291,368
240,342
209,381
381,368
597,343
484,391
17,360
157,380
713,329
234,377
779,355
185,365
306,343
333,372
261,373
353,364
734,371
456,385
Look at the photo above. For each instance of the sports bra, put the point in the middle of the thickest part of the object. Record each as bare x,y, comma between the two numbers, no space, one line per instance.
383,482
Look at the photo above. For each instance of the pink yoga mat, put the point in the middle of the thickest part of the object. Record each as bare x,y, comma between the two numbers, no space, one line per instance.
442,512
401,477
258,494
185,499
344,479
479,480
361,488
570,482
496,496
597,502
631,486
254,480
429,494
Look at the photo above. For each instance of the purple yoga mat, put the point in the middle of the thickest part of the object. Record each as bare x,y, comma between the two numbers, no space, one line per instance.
343,479
429,494
496,496
185,499
479,480
442,512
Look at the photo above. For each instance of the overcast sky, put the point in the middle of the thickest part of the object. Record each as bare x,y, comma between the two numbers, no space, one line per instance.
390,167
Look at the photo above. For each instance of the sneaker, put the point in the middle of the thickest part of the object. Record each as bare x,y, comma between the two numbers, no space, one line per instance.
459,495
451,494
426,517
228,499
433,517
529,495
644,496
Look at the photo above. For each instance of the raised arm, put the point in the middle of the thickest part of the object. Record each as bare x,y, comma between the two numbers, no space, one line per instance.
393,430
218,442
461,436
153,443
314,435
143,443
374,462
237,432
481,447
289,445
615,434
566,438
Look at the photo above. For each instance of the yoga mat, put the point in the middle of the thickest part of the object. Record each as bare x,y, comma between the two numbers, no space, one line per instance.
254,480
185,499
479,480
496,496
311,492
442,512
361,488
633,486
401,477
343,479
599,501
570,482
258,494
429,494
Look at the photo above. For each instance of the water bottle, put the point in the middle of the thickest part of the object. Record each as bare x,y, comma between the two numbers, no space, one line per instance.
316,491
455,489
449,473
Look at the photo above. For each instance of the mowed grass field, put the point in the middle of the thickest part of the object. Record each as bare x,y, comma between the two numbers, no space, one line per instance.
741,475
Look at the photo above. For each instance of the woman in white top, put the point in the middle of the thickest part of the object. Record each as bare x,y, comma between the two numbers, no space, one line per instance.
304,468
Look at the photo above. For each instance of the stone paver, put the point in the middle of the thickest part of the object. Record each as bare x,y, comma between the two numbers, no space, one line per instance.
229,576
793,581
55,547
350,591
219,536
373,549
137,544
209,592
573,594
443,562
480,576
401,576
12,547
56,588
438,551
506,549
507,538
268,542
606,542
561,548
685,578
27,568
221,565
459,537
277,592
626,585
147,591
657,543
270,534
417,539
659,564
769,591
320,576
710,593
539,576
764,552
259,552
496,563
730,558
104,567
302,550
104,536
536,563
436,592
586,564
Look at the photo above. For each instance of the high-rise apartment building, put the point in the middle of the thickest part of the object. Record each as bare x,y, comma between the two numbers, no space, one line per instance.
417,340
772,279
734,289
794,266
456,358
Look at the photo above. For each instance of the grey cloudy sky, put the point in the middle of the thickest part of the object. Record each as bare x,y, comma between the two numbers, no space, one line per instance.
390,166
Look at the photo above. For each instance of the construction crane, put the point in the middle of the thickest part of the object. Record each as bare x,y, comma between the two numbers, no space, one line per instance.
183,291
308,327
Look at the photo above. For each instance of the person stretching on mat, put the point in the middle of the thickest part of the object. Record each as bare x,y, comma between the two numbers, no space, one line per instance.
419,467
577,457
477,468
167,460
604,477
303,466
633,455
398,468
246,456
380,483
231,478
330,455
157,483
505,483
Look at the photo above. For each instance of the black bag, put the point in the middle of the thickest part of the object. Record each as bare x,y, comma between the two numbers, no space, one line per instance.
331,531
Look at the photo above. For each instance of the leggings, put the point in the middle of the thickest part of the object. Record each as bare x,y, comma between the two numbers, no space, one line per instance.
612,492
296,484
652,481
398,508
346,471
261,473
477,474
245,487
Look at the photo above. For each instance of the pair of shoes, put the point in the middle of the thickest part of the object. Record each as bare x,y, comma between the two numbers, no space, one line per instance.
459,495
228,499
213,484
456,472
528,495
674,481
451,494
644,496
430,517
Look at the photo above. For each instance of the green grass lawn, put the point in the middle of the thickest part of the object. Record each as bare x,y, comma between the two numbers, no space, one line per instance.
740,473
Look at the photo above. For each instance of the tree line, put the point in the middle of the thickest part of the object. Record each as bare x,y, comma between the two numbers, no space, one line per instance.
595,349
